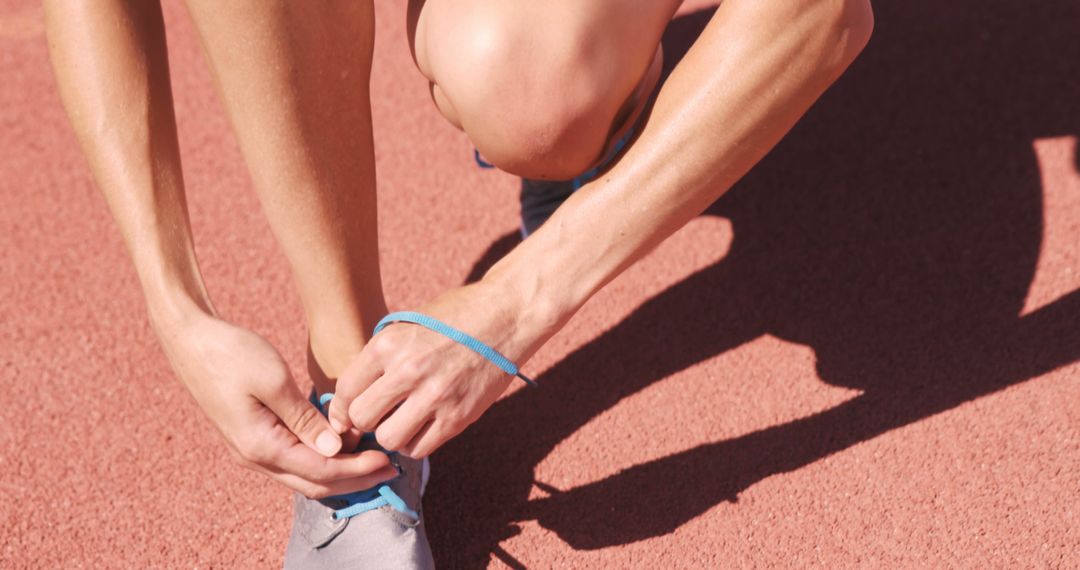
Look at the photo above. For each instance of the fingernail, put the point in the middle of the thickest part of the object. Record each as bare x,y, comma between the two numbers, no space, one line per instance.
328,443
334,423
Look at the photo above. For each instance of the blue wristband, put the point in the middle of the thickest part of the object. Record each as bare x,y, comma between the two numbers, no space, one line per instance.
457,336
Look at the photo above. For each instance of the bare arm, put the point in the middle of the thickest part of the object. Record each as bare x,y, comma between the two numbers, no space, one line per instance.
111,68
110,63
755,70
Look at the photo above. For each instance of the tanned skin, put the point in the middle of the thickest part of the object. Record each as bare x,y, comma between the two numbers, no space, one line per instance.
753,72
294,78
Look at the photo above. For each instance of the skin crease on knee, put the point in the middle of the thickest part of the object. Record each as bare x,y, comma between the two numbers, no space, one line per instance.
552,108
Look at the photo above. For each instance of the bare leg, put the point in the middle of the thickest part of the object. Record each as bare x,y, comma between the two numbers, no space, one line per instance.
294,78
757,67
540,88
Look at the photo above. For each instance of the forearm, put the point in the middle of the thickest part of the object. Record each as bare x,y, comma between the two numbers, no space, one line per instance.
111,69
756,69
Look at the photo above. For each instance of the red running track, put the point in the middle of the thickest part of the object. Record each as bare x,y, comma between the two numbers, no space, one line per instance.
865,355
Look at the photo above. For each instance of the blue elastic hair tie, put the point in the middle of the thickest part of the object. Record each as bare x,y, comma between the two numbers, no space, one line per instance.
457,336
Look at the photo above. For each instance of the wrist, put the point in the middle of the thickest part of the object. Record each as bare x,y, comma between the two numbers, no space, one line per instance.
172,308
553,273
171,282
538,301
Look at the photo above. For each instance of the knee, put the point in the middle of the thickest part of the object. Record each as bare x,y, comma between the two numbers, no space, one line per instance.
535,103
552,135
852,24
548,139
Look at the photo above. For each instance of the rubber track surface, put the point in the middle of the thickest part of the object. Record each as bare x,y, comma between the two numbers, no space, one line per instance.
865,355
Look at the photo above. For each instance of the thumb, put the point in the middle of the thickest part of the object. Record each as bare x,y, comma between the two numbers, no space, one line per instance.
304,420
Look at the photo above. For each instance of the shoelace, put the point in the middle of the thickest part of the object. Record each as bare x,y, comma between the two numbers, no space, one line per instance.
380,495
464,339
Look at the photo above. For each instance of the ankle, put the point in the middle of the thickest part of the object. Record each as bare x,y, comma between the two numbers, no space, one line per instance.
328,358
331,349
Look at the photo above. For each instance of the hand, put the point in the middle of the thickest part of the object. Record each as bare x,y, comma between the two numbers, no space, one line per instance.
438,386
245,387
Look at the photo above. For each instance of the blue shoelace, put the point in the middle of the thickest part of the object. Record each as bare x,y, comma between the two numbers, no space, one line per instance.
381,495
457,336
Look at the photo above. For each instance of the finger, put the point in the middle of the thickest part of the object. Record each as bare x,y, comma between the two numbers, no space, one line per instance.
369,408
403,424
300,461
351,439
361,373
432,437
316,490
409,449
302,418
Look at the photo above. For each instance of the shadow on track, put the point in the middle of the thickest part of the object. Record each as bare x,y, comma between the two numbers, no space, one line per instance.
895,231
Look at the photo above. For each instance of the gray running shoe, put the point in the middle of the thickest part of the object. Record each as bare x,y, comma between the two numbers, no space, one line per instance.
382,527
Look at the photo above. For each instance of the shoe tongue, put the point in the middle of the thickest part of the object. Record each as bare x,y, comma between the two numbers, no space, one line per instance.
408,485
